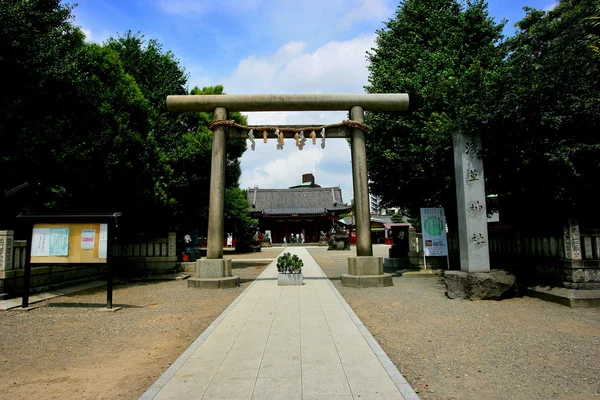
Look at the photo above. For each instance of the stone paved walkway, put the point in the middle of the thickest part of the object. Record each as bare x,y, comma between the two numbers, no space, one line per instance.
290,342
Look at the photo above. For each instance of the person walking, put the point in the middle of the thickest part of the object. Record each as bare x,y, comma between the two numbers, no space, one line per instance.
284,241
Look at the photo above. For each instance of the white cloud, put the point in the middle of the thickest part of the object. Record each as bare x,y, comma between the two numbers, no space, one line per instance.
337,67
282,172
550,7
269,168
366,10
320,21
94,37
88,34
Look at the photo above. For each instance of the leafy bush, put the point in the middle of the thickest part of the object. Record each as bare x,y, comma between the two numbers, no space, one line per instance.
289,264
397,218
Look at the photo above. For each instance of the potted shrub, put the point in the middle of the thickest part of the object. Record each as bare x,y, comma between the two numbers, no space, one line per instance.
289,267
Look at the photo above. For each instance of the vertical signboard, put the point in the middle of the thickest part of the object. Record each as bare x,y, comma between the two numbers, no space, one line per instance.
433,222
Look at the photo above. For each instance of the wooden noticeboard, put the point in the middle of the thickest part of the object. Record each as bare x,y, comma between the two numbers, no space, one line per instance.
55,243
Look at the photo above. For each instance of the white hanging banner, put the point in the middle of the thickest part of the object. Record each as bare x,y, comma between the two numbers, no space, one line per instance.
103,242
433,223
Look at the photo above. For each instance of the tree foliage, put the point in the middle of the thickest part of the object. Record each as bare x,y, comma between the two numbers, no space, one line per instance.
38,51
397,218
542,144
86,125
441,52
534,98
191,166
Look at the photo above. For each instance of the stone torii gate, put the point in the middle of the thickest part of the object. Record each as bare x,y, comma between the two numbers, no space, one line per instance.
363,270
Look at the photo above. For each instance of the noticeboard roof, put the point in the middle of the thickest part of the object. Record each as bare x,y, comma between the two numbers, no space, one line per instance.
70,216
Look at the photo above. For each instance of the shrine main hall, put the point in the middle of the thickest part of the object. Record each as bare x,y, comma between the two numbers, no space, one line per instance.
305,209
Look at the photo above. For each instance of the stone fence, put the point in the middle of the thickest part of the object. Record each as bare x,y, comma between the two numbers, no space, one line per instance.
155,256
569,258
144,258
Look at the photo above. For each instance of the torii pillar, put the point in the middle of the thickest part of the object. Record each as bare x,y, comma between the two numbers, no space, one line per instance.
364,270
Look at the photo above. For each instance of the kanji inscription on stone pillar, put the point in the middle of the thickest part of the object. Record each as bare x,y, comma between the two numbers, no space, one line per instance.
470,196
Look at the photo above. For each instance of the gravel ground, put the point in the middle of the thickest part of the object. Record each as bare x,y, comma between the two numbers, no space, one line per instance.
522,348
68,349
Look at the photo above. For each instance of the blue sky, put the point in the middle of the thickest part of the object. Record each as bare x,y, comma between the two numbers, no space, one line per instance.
266,46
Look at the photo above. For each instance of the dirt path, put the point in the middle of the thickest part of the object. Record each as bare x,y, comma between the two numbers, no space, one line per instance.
67,349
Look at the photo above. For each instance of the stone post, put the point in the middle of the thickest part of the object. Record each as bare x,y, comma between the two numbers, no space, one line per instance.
363,270
172,247
572,241
361,186
412,240
470,198
6,250
214,272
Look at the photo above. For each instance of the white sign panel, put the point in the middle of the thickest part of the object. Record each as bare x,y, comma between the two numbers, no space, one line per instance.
59,242
433,223
40,242
103,241
48,242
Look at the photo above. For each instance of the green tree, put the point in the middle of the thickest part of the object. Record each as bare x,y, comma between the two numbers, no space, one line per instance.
180,144
237,214
397,218
191,170
443,54
87,127
106,155
541,141
72,125
158,74
38,46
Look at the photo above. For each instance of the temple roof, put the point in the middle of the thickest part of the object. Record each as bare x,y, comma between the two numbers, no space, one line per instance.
300,201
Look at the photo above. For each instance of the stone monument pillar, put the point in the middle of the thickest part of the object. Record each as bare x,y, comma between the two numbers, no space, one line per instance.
6,249
571,241
470,198
474,280
214,272
172,245
363,270
576,273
